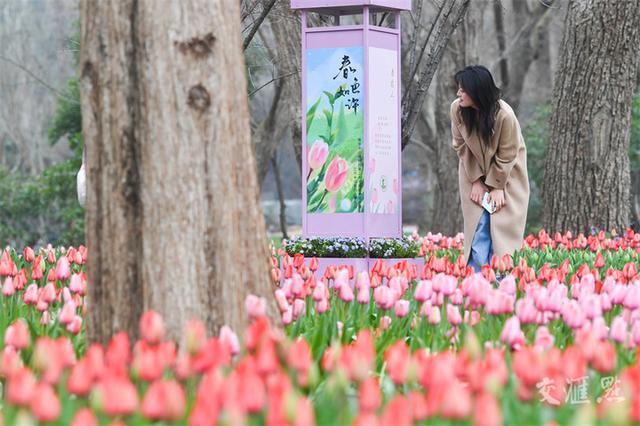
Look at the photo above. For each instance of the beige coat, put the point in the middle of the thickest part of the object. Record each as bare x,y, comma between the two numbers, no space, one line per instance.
503,164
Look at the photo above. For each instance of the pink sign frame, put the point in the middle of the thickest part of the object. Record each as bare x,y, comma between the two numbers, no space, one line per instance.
366,224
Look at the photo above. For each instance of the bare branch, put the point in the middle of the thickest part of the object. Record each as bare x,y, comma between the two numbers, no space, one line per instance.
256,25
274,79
38,79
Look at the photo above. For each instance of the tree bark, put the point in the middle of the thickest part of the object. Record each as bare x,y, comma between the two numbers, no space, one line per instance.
281,200
587,163
173,222
288,36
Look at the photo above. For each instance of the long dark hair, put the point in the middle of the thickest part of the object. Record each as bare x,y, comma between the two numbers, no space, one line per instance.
478,84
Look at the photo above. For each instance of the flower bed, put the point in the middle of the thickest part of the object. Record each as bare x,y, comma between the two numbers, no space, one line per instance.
556,340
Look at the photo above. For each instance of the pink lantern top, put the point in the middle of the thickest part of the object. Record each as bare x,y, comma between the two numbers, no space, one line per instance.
348,5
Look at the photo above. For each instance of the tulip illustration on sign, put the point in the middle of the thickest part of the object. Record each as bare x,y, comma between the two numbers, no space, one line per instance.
336,174
317,156
335,130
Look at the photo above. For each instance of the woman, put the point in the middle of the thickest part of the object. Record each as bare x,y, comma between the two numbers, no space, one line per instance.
493,159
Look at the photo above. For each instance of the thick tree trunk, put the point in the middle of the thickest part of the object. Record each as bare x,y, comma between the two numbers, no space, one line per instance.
587,163
173,216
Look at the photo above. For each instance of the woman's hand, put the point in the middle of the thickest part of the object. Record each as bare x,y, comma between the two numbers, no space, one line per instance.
477,191
496,197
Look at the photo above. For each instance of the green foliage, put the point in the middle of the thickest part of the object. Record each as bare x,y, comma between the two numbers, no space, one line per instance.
327,247
535,135
394,248
44,209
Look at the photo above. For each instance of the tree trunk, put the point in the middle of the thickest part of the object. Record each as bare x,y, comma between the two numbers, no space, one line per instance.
288,36
281,200
447,213
173,217
587,163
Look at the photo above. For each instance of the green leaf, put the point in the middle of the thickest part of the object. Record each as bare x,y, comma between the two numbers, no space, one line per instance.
311,113
331,97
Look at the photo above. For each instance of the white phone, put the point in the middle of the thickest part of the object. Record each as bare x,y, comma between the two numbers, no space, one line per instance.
488,206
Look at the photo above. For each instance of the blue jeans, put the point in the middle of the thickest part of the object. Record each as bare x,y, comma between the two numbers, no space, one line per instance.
481,247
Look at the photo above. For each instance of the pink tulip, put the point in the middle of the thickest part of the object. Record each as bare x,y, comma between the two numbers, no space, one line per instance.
508,285
635,333
423,291
45,319
363,279
544,339
511,333
318,154
434,315
402,308
75,285
20,387
17,335
67,313
117,396
195,336
472,318
341,278
619,330
453,315
456,298
591,305
297,285
8,288
84,417
255,306
151,327
75,325
599,328
48,293
364,294
287,316
299,308
346,293
281,300
30,296
618,294
573,315
336,174
322,306
164,400
383,297
320,292
45,404
63,269
632,298
526,310
385,322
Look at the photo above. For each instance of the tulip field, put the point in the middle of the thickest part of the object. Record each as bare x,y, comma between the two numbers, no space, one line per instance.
548,336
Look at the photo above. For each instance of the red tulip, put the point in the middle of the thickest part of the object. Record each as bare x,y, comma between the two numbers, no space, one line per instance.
28,254
116,396
164,400
45,404
397,412
152,327
84,417
370,396
397,357
17,335
20,387
487,411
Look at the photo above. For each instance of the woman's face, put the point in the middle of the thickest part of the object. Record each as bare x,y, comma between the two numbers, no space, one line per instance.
465,100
